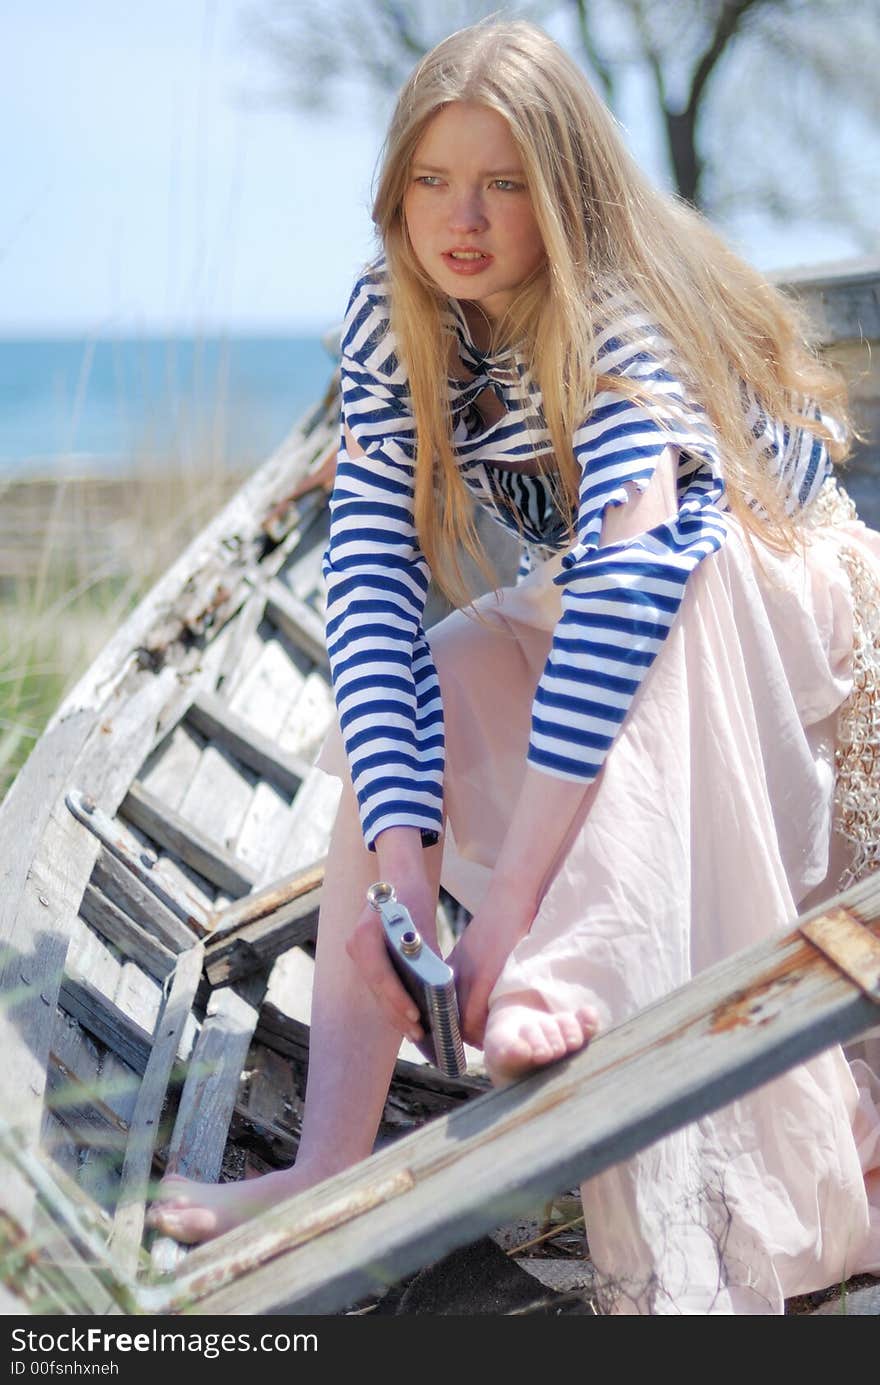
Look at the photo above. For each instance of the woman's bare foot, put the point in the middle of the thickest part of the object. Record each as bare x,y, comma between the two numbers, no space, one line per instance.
522,1037
192,1212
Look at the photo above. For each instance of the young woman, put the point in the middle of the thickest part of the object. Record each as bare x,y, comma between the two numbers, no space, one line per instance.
624,765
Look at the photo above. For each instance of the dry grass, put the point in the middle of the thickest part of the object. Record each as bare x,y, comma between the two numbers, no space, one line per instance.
76,555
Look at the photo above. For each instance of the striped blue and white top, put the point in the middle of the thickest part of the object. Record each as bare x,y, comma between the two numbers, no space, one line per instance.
618,600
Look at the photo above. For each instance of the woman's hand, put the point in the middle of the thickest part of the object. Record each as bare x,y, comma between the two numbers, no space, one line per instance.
479,955
366,948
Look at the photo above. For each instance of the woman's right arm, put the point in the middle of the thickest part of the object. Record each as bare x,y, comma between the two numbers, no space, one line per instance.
384,680
385,684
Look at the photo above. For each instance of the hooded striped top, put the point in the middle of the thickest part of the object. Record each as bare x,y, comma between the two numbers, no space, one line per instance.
618,601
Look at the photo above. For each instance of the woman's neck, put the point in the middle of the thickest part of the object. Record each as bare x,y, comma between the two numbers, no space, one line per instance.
479,324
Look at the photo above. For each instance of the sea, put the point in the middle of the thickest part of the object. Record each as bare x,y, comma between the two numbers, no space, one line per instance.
103,406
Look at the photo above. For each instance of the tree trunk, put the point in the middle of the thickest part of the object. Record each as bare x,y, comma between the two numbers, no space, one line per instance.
687,166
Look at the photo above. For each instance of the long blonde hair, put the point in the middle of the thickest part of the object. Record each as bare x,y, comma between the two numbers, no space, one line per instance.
601,221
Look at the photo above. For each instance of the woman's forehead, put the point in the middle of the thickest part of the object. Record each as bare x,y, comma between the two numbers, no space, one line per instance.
467,132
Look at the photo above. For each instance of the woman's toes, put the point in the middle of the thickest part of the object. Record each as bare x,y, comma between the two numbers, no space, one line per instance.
537,1040
187,1224
588,1019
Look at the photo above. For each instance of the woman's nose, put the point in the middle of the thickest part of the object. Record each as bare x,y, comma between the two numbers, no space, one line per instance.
468,214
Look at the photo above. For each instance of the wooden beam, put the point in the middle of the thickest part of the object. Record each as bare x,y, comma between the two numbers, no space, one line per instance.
266,900
128,1224
170,830
733,1028
123,888
254,946
132,940
122,844
209,1095
211,1088
302,626
73,1216
213,717
95,1012
90,1120
46,863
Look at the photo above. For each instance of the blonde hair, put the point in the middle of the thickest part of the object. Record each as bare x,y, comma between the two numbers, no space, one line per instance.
602,222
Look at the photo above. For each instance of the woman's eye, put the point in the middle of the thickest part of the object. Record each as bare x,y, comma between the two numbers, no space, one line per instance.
507,185
429,180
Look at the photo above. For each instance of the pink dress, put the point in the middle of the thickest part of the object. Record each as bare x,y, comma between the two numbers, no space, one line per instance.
709,828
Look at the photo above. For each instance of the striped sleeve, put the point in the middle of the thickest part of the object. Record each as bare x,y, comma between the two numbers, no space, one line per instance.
619,601
384,681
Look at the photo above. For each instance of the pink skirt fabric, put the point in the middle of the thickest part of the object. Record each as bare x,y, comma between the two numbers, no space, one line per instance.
710,827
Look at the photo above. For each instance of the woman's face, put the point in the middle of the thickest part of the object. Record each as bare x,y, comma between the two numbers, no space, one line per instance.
468,210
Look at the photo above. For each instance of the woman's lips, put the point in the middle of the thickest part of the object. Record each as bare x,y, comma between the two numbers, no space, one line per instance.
470,265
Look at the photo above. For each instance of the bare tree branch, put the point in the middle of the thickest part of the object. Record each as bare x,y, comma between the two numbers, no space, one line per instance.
761,102
599,66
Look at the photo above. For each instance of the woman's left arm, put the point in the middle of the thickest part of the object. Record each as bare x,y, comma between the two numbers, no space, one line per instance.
545,810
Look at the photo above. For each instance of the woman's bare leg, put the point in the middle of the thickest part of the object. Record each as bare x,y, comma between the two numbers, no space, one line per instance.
352,1051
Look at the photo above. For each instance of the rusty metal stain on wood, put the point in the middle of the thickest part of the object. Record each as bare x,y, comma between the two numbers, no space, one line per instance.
748,1006
850,945
267,1245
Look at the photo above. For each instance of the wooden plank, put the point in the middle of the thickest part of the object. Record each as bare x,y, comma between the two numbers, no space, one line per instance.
217,721
171,831
254,946
30,947
45,875
264,698
268,1121
292,983
139,861
276,1144
88,955
138,995
82,1287
263,902
241,646
211,1089
310,718
302,574
302,626
73,1215
209,1096
57,1142
271,684
93,1123
310,823
172,764
121,930
88,1074
91,1008
735,1027
128,1224
235,536
177,877
122,888
271,1094
217,799
849,945
264,831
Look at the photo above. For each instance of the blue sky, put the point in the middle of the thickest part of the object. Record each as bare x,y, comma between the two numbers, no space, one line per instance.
148,183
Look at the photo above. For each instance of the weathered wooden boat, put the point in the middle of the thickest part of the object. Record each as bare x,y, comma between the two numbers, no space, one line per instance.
162,860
